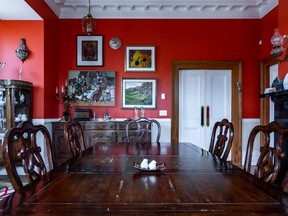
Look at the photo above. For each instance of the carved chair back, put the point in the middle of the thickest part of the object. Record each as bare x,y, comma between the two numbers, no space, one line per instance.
222,139
143,128
269,162
21,147
74,137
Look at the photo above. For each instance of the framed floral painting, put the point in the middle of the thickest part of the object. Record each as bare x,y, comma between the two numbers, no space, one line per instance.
90,50
92,88
140,58
139,93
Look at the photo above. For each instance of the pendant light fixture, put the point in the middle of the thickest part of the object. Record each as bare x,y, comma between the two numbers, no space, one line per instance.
88,23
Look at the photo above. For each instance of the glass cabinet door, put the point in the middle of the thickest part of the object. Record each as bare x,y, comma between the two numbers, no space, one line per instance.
3,123
15,103
22,105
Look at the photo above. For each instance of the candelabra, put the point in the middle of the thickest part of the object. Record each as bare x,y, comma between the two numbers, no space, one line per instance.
67,100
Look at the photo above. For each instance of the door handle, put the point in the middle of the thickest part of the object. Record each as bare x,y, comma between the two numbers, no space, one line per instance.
202,116
207,116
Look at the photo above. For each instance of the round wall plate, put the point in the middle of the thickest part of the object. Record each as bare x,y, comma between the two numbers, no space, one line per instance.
115,43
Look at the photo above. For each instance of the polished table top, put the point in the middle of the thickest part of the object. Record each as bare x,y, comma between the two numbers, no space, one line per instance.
104,181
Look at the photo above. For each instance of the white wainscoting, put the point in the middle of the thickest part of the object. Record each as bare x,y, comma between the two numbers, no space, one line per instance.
247,126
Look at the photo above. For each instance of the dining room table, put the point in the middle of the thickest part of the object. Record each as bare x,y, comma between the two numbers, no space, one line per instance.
108,179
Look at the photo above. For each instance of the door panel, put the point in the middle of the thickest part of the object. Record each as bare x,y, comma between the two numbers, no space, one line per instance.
218,98
273,74
190,112
210,89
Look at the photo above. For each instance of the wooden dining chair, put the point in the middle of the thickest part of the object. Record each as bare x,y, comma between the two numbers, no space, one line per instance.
143,128
268,164
21,147
74,137
222,139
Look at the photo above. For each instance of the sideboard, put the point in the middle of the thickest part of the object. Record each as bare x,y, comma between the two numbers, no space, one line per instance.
94,132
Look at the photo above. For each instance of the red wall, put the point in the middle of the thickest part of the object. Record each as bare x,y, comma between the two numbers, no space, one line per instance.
48,103
268,24
53,43
174,40
33,71
283,28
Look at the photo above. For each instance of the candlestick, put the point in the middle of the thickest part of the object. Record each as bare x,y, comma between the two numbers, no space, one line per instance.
67,99
20,72
2,65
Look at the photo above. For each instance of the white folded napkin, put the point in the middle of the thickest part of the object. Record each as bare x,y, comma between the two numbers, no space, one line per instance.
152,165
144,164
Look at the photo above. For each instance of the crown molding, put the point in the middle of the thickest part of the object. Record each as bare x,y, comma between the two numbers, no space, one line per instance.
163,9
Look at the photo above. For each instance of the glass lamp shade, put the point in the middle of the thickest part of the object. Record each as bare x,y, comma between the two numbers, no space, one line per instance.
277,41
88,24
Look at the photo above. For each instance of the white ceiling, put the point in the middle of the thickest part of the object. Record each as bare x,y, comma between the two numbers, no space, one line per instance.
17,10
179,9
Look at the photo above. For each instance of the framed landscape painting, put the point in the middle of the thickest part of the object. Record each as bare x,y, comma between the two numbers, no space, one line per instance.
140,58
90,50
92,88
139,93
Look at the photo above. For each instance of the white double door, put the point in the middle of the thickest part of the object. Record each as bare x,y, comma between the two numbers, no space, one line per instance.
204,97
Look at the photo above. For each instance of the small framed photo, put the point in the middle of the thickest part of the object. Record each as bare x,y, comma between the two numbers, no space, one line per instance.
139,93
90,50
140,58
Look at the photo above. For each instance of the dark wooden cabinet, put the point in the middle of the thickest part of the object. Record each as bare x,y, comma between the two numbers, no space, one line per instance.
15,105
94,132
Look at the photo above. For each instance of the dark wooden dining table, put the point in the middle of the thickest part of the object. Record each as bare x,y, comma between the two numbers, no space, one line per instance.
104,182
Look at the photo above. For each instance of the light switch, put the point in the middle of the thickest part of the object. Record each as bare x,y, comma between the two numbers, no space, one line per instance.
162,112
163,96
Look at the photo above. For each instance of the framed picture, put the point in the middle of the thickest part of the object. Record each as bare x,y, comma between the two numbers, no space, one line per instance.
139,93
140,58
92,88
90,50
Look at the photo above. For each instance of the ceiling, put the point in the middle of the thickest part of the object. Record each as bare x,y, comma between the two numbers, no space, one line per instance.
157,9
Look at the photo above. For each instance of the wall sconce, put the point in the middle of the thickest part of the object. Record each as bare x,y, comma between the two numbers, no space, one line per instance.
2,65
88,23
279,46
22,53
